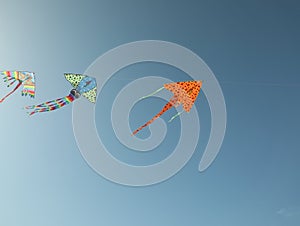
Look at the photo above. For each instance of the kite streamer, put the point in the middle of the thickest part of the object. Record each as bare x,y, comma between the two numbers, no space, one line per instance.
51,105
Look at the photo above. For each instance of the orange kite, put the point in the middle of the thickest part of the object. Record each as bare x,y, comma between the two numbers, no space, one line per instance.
185,93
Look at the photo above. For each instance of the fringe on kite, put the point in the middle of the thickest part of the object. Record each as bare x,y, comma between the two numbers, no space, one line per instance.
51,105
10,76
28,90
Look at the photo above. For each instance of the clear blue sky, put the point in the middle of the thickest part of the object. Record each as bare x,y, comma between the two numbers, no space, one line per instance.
253,49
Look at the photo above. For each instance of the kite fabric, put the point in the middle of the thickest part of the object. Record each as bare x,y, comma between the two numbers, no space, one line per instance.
185,93
25,78
83,85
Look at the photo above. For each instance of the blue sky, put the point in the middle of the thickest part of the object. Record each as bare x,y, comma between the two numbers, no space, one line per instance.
253,49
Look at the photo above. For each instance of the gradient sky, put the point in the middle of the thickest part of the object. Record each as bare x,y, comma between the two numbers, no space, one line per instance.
253,49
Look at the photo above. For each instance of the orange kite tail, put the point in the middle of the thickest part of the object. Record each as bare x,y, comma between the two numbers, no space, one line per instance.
169,105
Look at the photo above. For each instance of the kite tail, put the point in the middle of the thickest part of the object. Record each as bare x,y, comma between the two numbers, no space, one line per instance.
20,83
28,90
51,105
169,105
9,75
12,77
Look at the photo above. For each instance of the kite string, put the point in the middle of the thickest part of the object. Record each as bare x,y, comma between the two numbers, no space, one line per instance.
175,116
232,82
151,94
254,83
